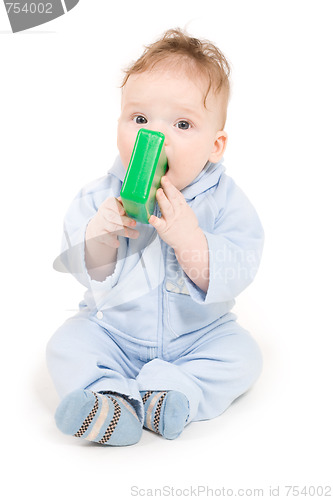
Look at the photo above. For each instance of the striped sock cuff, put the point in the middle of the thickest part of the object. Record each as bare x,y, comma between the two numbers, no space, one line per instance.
153,402
165,412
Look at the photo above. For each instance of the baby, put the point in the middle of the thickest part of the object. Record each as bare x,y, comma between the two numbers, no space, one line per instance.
155,343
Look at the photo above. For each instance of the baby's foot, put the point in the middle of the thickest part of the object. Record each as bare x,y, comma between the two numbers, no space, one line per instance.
104,418
166,412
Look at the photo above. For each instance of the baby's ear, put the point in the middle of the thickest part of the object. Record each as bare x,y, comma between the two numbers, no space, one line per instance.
219,146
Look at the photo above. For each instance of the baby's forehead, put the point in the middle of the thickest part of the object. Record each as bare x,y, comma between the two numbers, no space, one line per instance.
178,67
171,72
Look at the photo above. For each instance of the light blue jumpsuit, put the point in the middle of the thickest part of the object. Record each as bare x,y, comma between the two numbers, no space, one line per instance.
148,326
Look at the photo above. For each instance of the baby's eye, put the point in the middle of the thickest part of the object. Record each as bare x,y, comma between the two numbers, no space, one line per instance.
183,125
140,120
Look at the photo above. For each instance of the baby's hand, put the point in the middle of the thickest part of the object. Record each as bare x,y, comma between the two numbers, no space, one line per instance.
178,222
110,222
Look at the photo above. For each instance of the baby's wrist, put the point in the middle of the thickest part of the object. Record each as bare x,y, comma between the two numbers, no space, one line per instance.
188,242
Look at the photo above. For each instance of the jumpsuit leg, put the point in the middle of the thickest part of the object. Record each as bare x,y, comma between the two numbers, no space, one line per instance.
82,355
212,373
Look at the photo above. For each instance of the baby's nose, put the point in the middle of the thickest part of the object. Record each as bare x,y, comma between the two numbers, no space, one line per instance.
163,129
166,140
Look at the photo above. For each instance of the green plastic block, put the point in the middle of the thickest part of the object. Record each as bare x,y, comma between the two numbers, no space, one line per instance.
147,166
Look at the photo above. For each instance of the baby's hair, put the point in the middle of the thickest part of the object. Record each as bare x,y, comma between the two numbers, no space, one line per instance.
203,54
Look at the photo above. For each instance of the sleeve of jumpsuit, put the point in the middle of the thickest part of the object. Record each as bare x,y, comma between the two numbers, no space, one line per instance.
235,245
80,212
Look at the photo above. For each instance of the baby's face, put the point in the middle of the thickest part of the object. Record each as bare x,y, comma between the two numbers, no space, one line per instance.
168,101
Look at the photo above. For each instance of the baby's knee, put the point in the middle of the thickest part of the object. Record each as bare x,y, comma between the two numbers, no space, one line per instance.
250,359
53,352
62,342
56,343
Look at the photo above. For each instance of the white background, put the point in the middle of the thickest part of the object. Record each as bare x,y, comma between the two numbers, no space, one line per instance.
59,104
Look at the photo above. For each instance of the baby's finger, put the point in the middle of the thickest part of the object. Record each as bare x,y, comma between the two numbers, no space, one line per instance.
115,218
158,223
174,196
164,204
127,232
110,237
120,205
127,221
114,204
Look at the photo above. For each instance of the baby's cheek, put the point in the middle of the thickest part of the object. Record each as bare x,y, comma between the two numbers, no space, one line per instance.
125,150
